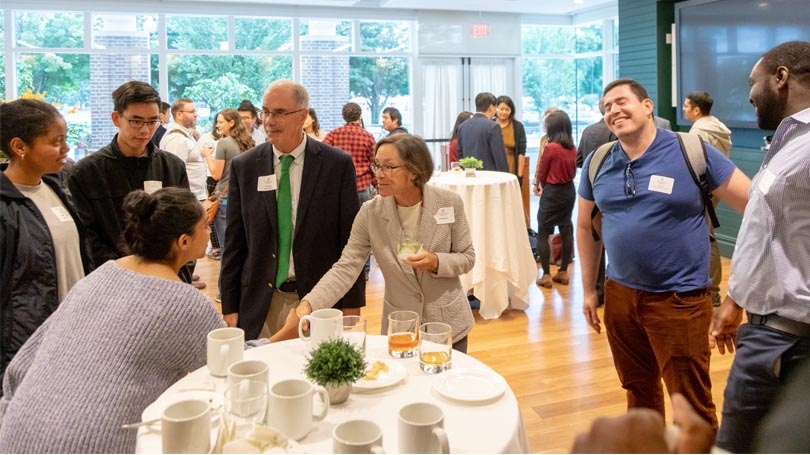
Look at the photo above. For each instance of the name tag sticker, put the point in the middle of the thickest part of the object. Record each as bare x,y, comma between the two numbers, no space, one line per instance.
445,215
267,183
661,184
766,181
150,186
62,214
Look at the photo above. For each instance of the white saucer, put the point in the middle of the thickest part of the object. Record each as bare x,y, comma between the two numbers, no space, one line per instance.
394,375
470,384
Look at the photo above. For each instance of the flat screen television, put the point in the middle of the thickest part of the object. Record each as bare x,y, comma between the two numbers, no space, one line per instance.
719,41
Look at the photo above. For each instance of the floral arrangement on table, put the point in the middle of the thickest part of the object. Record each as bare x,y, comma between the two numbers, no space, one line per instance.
471,162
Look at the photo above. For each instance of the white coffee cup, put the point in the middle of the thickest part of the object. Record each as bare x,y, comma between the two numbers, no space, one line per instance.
248,370
357,436
324,325
225,347
421,429
186,427
292,407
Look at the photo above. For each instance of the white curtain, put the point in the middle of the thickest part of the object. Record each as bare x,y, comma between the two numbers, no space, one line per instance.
489,76
441,102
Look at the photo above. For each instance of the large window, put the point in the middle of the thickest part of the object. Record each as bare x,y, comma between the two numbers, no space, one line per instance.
563,67
75,59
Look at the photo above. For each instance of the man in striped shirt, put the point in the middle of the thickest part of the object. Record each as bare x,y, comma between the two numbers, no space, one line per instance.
770,269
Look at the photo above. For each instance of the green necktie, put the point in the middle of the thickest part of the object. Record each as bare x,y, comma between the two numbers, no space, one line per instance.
284,208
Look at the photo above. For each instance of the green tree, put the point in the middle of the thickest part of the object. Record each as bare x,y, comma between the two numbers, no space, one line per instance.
222,81
379,78
59,75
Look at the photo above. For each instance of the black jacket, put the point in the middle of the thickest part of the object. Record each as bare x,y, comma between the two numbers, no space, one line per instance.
100,182
28,288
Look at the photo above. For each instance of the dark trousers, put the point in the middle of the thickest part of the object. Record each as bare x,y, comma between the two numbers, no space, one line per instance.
211,184
544,250
655,335
461,345
763,364
364,196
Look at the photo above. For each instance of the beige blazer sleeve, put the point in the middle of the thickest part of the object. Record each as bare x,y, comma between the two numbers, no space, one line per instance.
436,296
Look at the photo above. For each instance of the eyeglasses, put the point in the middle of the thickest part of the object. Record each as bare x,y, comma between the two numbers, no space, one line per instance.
264,113
385,169
189,112
629,180
137,123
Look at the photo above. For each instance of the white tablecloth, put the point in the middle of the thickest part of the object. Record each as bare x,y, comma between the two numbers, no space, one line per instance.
489,427
504,265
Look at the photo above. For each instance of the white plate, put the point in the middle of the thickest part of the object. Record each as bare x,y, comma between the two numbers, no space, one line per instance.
470,384
395,374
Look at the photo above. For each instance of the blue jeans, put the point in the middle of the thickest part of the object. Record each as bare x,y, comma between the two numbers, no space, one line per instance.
762,366
219,223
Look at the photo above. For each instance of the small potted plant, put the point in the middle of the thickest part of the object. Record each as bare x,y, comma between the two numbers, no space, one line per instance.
470,164
335,365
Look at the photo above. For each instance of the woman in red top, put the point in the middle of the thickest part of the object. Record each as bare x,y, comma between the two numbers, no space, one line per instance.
554,183
463,116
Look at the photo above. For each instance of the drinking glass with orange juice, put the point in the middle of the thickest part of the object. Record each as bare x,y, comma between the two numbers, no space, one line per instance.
435,347
403,334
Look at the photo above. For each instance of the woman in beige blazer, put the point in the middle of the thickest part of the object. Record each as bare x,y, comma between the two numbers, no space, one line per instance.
426,282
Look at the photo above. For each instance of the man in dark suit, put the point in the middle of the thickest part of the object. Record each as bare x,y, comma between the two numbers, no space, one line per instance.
257,294
481,138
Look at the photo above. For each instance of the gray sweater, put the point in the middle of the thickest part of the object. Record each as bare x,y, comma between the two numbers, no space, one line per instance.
112,347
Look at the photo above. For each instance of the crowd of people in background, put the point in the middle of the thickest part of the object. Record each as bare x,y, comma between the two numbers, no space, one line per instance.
296,212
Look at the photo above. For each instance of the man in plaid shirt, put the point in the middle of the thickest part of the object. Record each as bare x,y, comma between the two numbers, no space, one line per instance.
353,139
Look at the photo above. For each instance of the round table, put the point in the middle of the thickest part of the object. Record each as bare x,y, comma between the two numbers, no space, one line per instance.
492,426
504,265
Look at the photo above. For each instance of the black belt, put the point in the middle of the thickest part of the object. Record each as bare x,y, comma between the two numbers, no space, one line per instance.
774,321
288,286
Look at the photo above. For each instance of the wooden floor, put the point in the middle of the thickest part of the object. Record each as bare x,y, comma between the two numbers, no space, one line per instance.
560,370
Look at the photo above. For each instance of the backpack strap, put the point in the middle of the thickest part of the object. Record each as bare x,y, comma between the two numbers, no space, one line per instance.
598,158
695,155
179,131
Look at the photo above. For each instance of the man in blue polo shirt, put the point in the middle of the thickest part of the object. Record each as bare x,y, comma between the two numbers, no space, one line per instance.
657,301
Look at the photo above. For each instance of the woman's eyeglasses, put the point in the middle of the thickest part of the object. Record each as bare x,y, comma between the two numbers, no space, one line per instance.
385,169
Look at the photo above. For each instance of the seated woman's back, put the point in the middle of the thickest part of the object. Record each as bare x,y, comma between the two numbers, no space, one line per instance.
120,338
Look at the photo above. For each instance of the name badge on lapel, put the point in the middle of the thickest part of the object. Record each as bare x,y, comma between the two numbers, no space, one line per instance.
267,183
445,215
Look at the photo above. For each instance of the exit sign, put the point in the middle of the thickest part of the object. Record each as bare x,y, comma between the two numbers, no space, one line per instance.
480,30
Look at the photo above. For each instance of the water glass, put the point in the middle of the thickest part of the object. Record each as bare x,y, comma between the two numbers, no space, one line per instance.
245,407
409,245
403,334
354,331
435,347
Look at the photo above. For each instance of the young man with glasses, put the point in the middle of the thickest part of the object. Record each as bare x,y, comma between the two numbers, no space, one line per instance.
250,117
657,301
291,205
100,182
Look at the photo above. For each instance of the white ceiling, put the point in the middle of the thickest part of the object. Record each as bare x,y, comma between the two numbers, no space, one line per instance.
544,7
